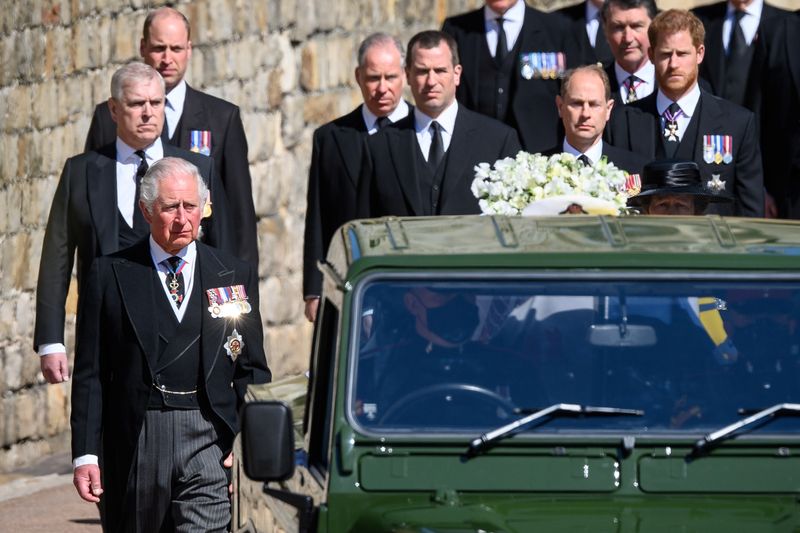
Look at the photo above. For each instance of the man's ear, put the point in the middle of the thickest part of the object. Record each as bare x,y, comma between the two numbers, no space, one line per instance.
701,53
145,214
113,107
559,103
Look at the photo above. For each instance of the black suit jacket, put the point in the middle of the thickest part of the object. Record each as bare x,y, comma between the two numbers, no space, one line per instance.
84,216
637,127
204,112
117,348
332,186
588,54
389,184
532,102
713,66
780,118
630,162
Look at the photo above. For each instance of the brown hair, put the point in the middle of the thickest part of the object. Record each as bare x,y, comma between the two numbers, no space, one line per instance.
431,39
672,21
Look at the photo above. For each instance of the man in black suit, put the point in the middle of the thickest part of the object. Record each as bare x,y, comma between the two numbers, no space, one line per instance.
681,121
169,337
587,31
518,84
738,35
584,106
195,121
780,119
94,211
337,153
631,74
425,166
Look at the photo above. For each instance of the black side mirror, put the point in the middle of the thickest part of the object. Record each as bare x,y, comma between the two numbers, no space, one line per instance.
267,441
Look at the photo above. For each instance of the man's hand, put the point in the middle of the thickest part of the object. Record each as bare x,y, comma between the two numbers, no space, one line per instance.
55,367
228,463
86,479
770,207
312,305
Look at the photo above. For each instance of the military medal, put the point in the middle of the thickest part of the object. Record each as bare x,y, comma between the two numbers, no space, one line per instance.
172,282
234,345
718,149
200,142
715,184
542,65
671,125
727,149
228,301
633,184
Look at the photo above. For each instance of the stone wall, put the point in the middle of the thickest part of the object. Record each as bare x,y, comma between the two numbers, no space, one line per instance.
287,63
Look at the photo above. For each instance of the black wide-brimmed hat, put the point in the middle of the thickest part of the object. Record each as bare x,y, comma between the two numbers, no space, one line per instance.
672,176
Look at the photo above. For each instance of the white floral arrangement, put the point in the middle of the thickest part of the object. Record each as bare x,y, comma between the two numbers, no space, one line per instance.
515,183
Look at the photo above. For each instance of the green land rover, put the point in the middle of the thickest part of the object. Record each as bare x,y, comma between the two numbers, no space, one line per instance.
573,373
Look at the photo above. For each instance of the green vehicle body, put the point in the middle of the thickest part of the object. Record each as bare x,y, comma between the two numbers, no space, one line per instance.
361,479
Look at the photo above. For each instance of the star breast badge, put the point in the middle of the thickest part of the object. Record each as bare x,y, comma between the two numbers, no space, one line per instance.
715,184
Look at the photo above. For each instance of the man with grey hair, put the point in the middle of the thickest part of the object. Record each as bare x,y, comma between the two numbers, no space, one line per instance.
169,337
337,150
94,210
194,121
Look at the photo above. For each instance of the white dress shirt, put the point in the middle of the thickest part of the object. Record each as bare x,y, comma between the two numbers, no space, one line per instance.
687,103
645,80
422,123
512,24
594,153
173,107
749,23
371,119
127,164
592,22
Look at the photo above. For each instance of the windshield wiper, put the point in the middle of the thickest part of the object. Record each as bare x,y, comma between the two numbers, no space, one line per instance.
483,442
705,444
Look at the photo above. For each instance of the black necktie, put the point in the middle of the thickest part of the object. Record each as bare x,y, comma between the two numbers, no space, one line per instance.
502,46
139,223
175,283
737,44
436,153
165,129
671,122
382,122
585,160
630,83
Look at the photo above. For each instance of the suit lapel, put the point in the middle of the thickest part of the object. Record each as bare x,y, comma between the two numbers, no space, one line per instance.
402,143
193,113
135,281
460,144
102,191
710,121
471,54
791,52
715,55
212,273
349,143
529,35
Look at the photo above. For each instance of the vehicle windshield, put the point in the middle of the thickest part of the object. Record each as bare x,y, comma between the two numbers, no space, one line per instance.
445,356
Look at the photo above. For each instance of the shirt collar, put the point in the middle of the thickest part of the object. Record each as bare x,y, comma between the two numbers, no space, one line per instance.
515,13
647,73
153,153
687,103
446,119
177,96
370,118
753,9
157,253
594,153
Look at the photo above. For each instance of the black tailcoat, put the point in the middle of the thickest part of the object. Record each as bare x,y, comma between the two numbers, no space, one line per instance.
637,127
389,184
117,348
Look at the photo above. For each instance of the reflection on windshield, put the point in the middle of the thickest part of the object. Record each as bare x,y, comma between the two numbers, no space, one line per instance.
444,356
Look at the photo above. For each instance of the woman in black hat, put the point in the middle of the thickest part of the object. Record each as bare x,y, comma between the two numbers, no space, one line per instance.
672,187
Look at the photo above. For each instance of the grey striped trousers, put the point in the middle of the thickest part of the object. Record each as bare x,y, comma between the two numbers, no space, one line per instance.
179,482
